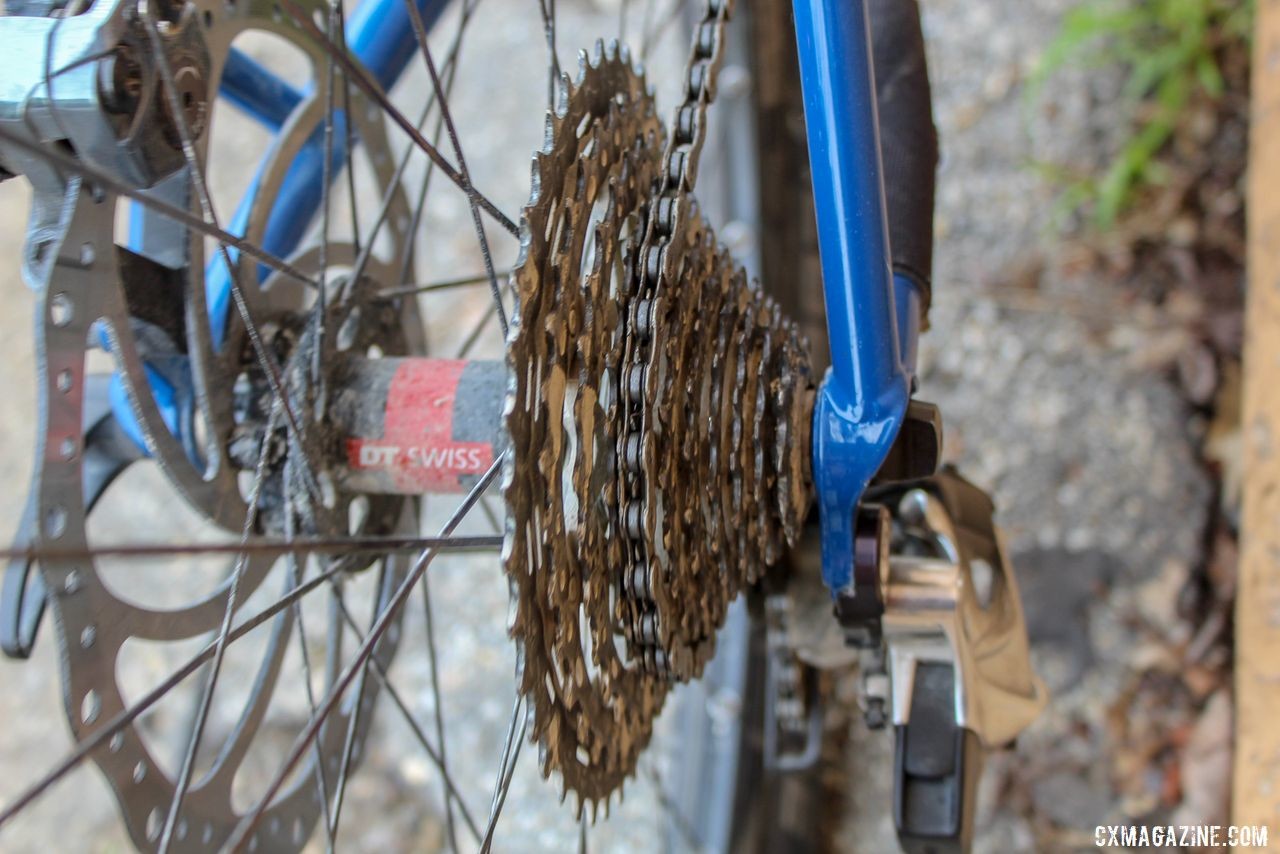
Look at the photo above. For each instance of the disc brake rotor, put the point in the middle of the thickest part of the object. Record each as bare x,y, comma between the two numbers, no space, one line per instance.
95,620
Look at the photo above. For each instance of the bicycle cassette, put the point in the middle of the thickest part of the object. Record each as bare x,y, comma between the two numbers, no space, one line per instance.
657,409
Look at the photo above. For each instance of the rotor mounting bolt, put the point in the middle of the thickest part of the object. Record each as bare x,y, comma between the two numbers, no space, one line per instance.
120,81
192,93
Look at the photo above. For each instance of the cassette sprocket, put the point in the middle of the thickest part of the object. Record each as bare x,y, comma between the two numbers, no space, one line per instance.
657,414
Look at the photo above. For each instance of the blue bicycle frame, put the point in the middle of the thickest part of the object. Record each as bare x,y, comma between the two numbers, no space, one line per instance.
873,317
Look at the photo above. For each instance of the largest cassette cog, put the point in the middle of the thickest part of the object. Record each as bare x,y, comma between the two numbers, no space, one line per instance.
592,710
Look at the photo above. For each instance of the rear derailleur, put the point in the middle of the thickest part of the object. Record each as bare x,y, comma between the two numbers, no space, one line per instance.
934,619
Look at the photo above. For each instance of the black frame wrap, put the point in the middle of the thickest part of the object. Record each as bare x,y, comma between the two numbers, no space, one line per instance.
908,138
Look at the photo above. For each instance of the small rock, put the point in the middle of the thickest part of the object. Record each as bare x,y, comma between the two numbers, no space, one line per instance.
1069,799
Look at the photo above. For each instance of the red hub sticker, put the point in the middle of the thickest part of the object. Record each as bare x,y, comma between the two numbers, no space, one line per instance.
417,451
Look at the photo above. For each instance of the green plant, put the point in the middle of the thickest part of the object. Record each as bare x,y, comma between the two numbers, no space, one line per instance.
1169,51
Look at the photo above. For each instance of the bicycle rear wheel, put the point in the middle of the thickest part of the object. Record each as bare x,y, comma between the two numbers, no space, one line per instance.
233,689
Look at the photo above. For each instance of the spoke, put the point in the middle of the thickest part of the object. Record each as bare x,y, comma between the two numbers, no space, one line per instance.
443,285
326,191
127,716
436,756
211,682
255,546
371,88
420,30
433,660
295,575
179,215
450,71
384,621
433,753
421,205
548,10
510,755
363,256
349,741
198,182
349,132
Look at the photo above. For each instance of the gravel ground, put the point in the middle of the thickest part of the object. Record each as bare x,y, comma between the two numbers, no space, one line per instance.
1048,399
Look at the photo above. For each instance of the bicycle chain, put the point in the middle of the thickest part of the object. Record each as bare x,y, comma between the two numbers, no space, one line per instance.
657,411
696,321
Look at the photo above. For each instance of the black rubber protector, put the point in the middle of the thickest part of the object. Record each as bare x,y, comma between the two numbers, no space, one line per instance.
908,138
936,768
